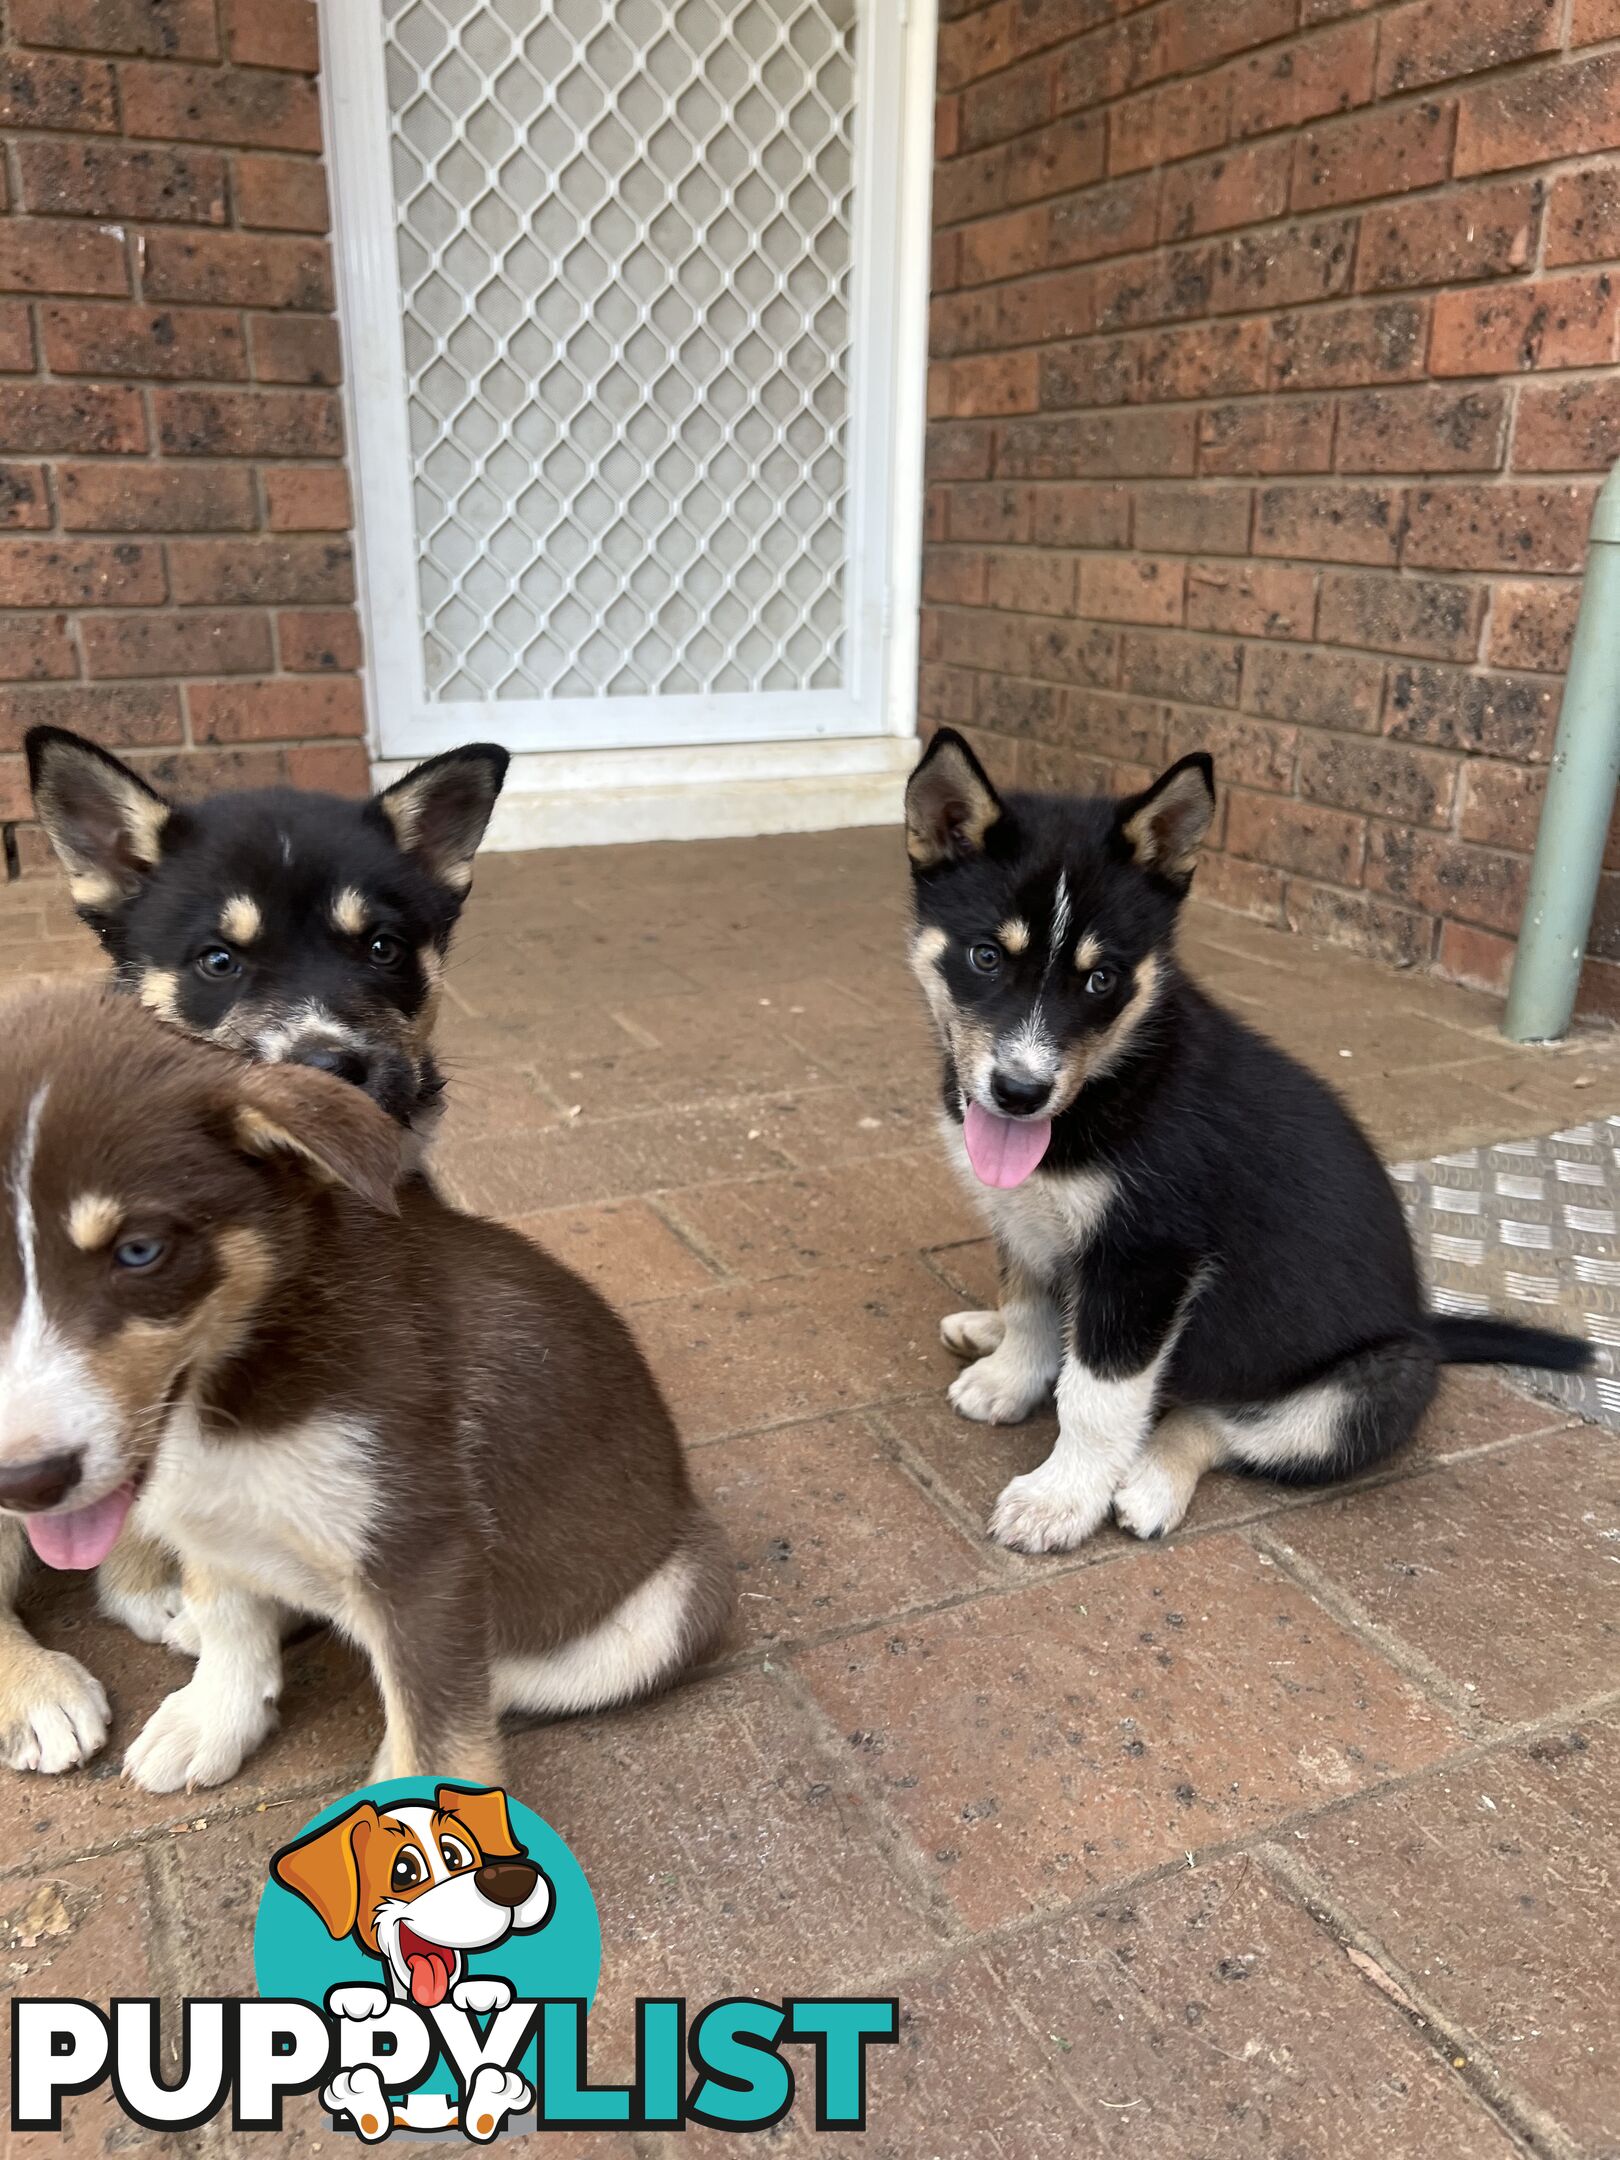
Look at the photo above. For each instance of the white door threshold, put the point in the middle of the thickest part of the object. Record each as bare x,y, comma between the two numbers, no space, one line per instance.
719,791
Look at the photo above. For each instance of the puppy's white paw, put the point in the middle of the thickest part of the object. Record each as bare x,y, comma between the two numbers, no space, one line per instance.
196,1737
972,1334
359,2094
181,1634
53,1714
359,2001
482,1997
1041,1512
491,2097
998,1390
149,1613
1153,1499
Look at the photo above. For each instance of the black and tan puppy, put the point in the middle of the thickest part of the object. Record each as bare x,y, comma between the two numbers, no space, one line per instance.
285,923
214,1325
1199,1248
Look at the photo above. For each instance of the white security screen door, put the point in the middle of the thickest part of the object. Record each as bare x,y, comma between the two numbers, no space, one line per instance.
619,291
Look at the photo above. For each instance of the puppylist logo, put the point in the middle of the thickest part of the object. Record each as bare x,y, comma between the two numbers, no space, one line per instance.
427,1955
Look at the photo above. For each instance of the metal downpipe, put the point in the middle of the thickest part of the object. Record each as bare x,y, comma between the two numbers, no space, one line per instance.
1579,802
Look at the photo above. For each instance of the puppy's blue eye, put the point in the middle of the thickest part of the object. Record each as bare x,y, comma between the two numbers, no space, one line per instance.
218,962
1100,981
385,951
984,959
139,1254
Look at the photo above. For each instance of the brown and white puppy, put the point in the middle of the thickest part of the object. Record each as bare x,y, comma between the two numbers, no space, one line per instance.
416,1425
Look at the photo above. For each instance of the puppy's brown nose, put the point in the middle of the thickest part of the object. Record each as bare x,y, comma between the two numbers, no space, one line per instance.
38,1484
506,1882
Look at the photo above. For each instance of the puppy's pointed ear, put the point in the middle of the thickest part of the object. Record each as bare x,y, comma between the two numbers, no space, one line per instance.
950,804
329,1128
439,812
324,1868
483,1811
1163,827
103,820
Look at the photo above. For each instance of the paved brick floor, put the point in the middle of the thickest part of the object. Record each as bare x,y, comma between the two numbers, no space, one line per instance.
1294,1836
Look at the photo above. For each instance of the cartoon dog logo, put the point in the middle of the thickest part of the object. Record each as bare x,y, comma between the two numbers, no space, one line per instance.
420,1887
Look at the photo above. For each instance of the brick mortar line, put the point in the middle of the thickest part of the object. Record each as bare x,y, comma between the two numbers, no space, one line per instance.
1411,1663
1005,1570
660,1205
904,1857
1235,565
1446,2036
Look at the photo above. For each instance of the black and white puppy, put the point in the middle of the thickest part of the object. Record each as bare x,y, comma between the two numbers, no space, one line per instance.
1198,1245
289,924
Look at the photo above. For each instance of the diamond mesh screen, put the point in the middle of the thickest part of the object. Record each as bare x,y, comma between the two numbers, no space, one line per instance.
624,252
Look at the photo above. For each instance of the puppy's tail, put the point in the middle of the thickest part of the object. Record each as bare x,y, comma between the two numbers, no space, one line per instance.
1462,1339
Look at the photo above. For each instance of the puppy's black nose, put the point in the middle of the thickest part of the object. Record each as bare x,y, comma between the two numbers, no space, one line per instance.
39,1484
337,1059
1019,1098
506,1882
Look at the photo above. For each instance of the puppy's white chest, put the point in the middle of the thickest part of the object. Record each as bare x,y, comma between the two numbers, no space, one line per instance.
1046,1222
292,1513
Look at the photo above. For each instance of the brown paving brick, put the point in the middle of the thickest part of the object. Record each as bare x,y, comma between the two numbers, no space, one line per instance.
850,1124
1041,1741
80,1931
727,1855
329,1717
490,1095
1501,1571
520,1172
748,1355
626,1249
829,1218
629,1079
1208,2013
827,1530
1492,1887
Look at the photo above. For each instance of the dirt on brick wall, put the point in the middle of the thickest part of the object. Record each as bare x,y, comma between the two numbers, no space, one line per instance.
176,575
1273,376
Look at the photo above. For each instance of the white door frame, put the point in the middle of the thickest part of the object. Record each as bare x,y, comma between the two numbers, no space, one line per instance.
895,158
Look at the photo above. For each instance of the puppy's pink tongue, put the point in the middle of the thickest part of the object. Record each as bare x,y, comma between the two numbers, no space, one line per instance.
1003,1151
430,1976
84,1538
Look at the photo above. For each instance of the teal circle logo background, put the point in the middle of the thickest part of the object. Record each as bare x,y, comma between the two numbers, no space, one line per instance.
294,1956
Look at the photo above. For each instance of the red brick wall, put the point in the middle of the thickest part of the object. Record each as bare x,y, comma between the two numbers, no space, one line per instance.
1273,364
175,569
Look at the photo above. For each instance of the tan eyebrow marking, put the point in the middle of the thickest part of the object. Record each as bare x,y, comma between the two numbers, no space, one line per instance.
160,992
1013,936
1088,952
349,911
240,920
94,889
92,1219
